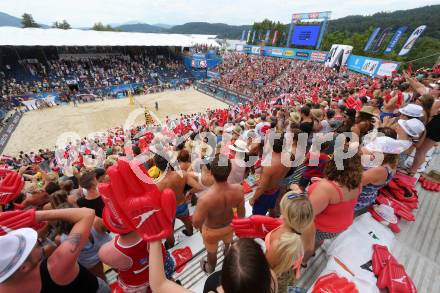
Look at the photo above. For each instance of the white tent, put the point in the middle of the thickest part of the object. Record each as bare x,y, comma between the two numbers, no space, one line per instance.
12,36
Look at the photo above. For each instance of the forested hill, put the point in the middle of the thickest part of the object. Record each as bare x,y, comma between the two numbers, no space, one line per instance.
221,29
428,15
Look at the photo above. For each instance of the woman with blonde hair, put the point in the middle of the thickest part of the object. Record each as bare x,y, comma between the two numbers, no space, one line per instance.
285,245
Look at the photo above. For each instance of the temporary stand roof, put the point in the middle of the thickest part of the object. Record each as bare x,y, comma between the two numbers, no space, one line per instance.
12,36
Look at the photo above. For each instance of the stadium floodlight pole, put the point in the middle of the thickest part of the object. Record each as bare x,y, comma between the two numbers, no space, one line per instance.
324,28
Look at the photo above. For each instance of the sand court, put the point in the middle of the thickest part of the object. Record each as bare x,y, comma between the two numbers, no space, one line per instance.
41,128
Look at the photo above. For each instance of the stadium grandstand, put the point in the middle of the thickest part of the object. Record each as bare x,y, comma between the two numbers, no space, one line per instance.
252,169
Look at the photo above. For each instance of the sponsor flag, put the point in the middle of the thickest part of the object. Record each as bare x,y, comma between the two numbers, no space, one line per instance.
259,36
395,39
266,40
381,39
253,36
412,40
283,37
275,37
248,36
371,39
242,35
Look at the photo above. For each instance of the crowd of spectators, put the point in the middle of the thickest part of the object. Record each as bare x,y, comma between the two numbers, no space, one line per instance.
91,75
316,201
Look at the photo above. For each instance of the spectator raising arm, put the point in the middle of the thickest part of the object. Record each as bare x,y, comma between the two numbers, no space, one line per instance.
65,257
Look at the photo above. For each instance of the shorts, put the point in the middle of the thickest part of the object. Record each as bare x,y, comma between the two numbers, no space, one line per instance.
103,286
169,265
385,114
265,202
182,211
211,237
287,181
433,128
321,236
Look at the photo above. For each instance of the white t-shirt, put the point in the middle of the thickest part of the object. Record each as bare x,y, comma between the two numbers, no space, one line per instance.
259,126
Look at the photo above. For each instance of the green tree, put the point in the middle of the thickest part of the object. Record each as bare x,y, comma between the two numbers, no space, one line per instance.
65,25
62,25
101,27
28,21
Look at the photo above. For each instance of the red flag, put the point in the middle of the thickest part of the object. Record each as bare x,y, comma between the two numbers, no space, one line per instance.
275,37
203,122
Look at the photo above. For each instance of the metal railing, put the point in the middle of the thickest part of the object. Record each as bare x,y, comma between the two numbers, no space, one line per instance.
221,93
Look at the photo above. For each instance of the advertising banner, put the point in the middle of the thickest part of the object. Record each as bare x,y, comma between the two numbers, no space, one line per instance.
289,53
386,68
310,15
371,39
395,39
277,52
255,50
412,40
299,54
213,74
8,129
338,55
302,54
318,56
371,66
381,39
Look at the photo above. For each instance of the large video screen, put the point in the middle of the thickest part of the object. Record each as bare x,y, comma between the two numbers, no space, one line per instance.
305,35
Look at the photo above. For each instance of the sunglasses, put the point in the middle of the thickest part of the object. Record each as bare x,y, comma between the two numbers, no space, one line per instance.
295,195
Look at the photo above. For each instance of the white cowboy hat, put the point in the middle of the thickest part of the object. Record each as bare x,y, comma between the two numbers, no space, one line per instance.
413,127
412,110
387,145
239,146
16,247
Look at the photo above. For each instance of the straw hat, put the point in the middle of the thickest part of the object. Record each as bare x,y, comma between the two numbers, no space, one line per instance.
250,123
368,110
295,117
317,114
237,130
433,175
412,110
239,146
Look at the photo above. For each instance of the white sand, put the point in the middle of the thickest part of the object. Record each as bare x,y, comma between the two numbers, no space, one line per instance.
41,128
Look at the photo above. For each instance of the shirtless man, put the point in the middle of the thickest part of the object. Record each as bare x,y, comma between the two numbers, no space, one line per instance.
268,188
176,182
214,211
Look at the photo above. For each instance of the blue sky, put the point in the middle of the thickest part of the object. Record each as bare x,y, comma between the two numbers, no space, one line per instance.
83,13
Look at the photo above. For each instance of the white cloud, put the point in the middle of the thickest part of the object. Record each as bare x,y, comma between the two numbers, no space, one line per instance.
86,12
